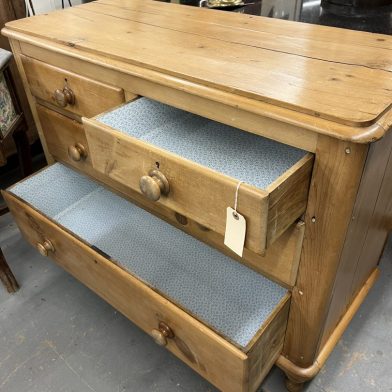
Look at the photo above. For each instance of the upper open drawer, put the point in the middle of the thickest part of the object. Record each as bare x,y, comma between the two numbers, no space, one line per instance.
193,165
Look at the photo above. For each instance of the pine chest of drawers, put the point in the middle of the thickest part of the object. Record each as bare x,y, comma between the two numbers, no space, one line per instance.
150,118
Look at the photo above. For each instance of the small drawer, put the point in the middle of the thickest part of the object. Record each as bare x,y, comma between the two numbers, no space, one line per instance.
192,165
77,94
218,316
65,138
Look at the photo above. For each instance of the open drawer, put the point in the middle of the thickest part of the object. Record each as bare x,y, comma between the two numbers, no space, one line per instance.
192,165
224,320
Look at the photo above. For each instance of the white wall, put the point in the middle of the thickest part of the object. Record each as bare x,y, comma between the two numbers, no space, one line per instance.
42,6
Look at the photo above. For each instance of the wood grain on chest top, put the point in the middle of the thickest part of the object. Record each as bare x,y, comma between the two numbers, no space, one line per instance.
340,75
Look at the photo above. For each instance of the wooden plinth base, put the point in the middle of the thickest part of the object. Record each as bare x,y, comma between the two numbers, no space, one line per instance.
297,376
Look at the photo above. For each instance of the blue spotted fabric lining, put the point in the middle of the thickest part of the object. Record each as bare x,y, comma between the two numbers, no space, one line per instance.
224,294
241,155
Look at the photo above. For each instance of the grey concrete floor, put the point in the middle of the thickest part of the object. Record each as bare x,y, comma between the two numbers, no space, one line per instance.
58,336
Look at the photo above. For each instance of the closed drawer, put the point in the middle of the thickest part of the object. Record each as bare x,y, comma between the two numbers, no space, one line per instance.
201,163
77,94
65,138
221,318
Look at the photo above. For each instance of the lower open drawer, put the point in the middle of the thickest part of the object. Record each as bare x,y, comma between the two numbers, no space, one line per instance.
224,320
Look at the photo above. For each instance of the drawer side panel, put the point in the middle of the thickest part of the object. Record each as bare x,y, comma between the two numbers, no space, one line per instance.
288,198
268,347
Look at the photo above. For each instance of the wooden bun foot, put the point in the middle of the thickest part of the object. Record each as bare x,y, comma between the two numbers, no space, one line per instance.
293,385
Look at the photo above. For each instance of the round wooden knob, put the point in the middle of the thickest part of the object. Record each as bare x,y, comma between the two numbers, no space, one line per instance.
161,334
154,185
64,97
45,247
77,152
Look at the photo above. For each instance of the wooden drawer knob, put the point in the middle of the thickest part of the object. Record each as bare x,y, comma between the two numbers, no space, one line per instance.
45,247
161,334
77,152
64,97
154,185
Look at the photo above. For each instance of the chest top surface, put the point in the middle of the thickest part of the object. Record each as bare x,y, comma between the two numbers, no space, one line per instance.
334,74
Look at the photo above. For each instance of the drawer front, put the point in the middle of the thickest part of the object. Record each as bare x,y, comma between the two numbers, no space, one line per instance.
77,94
198,192
65,138
224,365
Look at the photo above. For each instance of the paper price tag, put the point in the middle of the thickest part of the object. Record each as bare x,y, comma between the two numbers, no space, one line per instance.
235,231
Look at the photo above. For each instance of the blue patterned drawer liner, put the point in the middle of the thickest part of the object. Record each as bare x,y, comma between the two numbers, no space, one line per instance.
241,155
226,295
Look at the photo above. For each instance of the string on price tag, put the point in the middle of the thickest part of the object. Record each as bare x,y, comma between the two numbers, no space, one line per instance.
235,227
